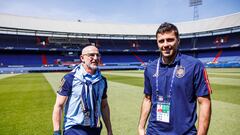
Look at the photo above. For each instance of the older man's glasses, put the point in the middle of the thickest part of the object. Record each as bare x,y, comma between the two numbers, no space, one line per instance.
93,55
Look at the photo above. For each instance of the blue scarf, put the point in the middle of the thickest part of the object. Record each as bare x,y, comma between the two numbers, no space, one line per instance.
90,96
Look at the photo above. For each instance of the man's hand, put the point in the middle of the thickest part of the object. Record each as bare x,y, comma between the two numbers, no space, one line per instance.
144,113
141,131
57,132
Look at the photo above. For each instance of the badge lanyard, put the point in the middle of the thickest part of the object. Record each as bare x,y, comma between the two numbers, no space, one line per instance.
172,80
163,105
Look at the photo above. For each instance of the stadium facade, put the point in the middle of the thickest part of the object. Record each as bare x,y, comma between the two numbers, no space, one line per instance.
30,44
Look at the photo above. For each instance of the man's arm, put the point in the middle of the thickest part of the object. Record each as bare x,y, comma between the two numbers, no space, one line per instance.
57,112
106,115
204,114
145,109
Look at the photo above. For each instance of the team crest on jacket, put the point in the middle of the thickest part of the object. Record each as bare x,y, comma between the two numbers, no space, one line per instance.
180,72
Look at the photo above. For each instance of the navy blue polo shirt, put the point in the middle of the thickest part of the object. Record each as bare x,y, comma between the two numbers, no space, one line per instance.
189,82
73,86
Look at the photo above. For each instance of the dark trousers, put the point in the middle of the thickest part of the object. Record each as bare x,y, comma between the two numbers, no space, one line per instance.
83,130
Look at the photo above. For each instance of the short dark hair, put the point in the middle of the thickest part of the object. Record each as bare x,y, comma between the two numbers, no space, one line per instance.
167,27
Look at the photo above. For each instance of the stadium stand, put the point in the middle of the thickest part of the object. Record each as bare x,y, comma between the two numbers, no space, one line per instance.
30,44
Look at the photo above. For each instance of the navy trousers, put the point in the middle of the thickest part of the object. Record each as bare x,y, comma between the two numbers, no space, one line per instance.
83,130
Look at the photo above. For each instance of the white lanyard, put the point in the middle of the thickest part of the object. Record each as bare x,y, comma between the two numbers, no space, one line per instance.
172,80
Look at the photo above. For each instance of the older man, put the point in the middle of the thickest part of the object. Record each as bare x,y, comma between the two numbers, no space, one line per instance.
83,95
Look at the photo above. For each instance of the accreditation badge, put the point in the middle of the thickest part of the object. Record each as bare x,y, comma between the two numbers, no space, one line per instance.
86,119
163,111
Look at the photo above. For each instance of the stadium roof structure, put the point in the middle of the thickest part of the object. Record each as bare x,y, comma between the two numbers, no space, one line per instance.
12,24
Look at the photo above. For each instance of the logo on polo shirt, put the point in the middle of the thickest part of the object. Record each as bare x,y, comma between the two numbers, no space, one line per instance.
180,72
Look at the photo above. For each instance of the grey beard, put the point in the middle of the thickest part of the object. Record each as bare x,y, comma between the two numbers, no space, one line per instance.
92,67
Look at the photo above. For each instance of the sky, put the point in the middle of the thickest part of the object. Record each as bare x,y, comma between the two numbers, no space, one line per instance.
119,11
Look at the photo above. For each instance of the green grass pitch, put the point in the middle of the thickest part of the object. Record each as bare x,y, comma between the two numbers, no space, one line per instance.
26,102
